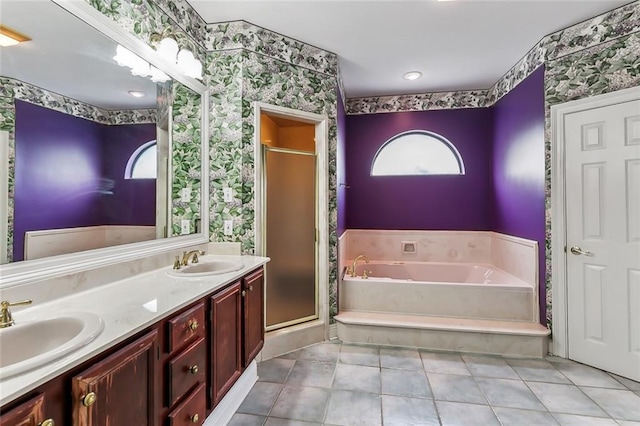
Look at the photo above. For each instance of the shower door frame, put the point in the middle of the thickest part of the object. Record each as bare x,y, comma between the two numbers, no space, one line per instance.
320,123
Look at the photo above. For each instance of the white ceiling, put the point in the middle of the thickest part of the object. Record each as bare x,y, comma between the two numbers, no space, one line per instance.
457,45
68,57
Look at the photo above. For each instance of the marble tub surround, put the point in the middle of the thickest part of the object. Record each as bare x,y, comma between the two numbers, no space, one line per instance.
127,306
442,310
67,285
516,256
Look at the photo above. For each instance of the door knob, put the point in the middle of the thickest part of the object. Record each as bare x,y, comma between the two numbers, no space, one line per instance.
578,251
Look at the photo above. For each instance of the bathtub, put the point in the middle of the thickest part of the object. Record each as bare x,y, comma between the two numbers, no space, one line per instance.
462,290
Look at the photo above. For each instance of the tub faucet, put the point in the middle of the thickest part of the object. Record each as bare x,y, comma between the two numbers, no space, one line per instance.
355,263
193,255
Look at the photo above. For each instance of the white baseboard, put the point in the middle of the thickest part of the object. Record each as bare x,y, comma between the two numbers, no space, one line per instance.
333,331
223,412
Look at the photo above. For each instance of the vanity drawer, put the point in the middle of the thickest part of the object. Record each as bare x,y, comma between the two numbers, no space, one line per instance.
186,326
186,370
192,410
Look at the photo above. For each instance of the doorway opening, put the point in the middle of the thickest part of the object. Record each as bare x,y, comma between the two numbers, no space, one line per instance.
292,221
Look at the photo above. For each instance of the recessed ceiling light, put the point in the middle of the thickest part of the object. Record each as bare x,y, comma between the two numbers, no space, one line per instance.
9,37
136,93
413,75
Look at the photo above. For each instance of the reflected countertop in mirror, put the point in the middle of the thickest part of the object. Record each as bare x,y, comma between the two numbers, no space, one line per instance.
93,156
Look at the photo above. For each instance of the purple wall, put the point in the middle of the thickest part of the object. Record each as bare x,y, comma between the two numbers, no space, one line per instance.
134,200
518,167
59,170
340,168
420,202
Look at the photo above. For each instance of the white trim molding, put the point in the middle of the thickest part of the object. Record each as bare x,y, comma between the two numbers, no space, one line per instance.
558,207
321,123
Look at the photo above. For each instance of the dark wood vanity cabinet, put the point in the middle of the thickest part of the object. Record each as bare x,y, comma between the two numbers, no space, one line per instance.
119,389
173,373
29,413
252,316
226,339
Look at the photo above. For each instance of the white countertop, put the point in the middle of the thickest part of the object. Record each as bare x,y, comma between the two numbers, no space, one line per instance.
126,307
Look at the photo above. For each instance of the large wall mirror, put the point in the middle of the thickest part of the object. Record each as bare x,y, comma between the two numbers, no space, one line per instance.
97,162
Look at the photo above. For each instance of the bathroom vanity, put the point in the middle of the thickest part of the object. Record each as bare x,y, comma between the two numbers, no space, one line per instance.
170,351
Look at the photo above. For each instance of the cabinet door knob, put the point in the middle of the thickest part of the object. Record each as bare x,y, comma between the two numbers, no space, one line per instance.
89,399
193,325
193,369
250,288
244,293
194,418
48,422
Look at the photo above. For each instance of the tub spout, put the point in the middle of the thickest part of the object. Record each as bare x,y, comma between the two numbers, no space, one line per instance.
355,263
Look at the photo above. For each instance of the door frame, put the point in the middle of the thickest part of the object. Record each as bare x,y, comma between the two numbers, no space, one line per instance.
321,123
559,285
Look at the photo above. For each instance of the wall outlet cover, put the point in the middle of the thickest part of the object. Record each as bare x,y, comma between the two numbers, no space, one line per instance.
227,194
185,195
184,227
228,227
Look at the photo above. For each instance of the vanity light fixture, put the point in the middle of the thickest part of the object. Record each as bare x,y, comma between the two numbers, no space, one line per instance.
168,48
9,37
126,58
412,75
136,93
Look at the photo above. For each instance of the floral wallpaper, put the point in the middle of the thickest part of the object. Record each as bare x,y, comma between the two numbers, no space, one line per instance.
603,68
11,88
241,34
186,158
281,83
7,123
417,102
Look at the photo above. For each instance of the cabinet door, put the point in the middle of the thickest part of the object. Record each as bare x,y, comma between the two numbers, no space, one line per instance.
119,389
253,316
30,413
226,353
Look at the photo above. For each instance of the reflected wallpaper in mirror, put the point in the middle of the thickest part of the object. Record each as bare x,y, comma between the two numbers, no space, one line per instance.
75,141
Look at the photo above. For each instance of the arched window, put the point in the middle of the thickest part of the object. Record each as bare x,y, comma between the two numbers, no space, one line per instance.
417,152
143,163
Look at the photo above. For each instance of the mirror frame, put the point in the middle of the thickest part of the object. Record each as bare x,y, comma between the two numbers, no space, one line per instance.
23,272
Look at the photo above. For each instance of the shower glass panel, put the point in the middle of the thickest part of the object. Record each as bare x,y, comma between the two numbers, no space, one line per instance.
291,291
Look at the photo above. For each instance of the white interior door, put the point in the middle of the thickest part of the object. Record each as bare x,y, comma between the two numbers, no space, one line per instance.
603,236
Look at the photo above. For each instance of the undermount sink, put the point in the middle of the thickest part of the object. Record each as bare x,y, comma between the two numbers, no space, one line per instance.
207,268
30,344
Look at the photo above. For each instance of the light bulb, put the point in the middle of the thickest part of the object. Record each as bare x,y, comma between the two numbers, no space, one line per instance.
168,49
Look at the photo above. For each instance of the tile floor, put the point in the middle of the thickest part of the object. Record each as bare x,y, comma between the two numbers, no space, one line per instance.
340,384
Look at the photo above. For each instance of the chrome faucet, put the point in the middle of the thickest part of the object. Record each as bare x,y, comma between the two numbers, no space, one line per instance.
355,263
193,255
6,320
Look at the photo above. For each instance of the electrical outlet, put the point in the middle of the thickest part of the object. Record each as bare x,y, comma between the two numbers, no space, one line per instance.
227,195
184,227
228,227
185,195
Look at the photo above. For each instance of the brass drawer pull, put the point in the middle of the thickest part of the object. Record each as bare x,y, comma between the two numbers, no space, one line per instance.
48,422
194,418
193,369
89,399
193,325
